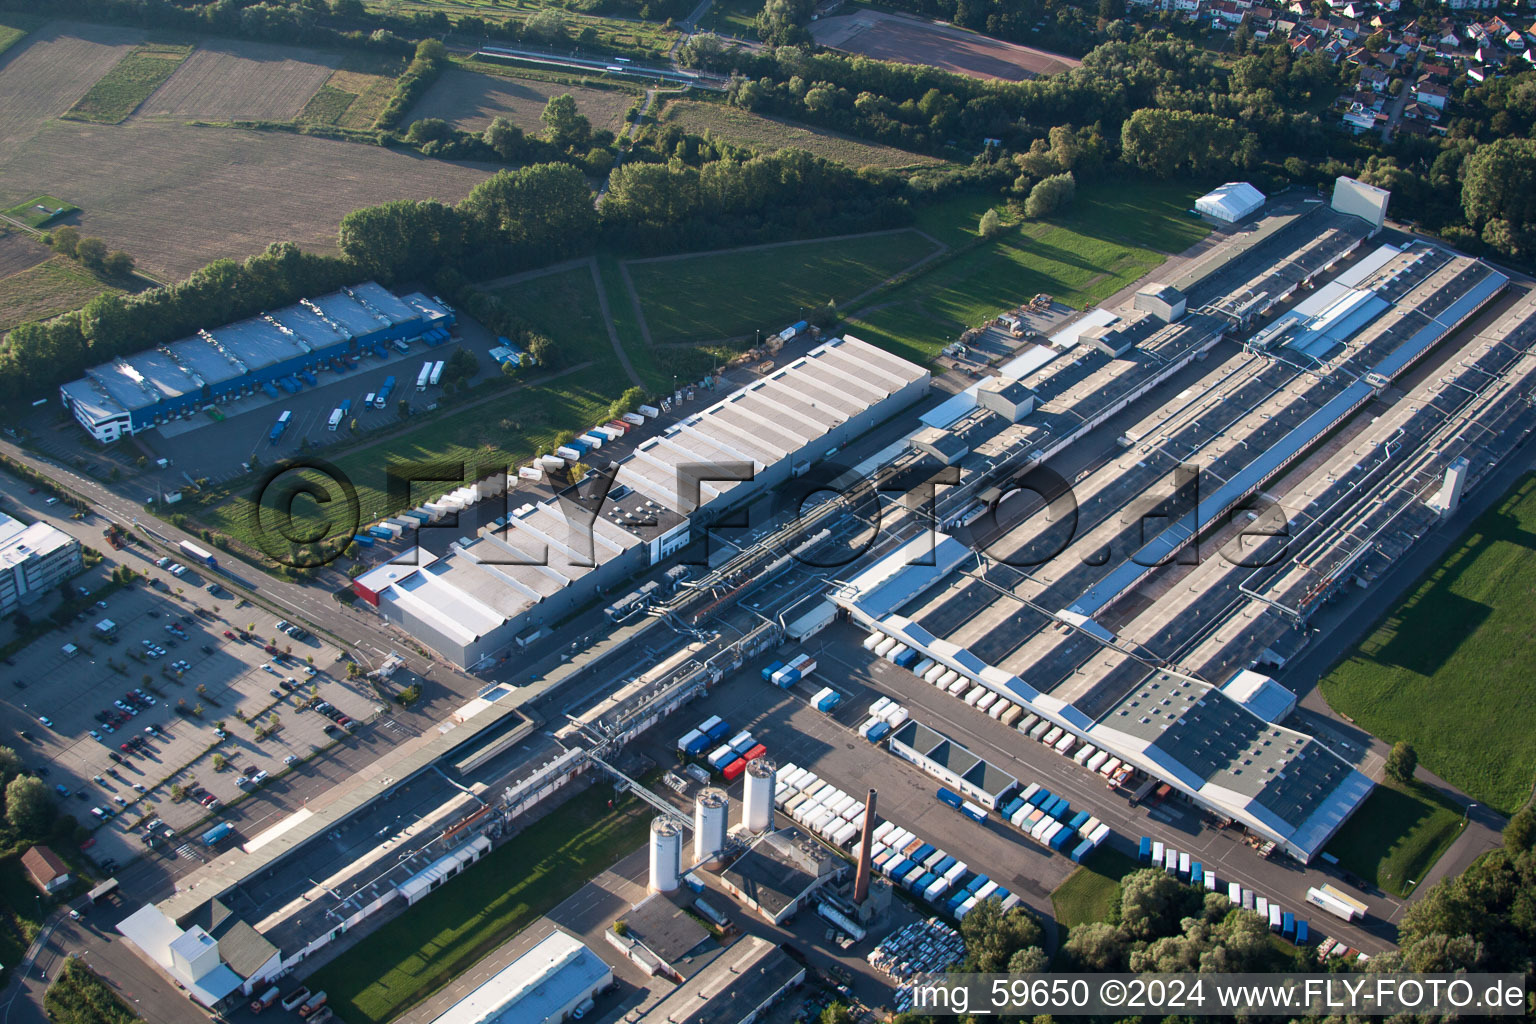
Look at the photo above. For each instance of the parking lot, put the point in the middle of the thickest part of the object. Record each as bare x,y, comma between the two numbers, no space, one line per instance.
157,688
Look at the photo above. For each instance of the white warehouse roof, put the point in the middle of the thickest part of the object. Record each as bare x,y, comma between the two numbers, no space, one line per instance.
1230,202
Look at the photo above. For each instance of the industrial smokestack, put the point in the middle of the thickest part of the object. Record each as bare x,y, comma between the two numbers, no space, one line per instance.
861,879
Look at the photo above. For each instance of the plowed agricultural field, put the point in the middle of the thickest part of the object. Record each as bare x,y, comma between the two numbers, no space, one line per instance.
470,99
228,80
43,75
194,194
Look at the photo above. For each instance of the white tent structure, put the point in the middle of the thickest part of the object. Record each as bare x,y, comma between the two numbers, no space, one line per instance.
1230,202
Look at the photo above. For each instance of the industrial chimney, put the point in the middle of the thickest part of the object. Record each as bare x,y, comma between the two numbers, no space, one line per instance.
866,840
666,854
710,814
757,805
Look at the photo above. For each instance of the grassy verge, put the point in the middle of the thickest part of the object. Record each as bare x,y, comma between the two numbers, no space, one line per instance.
1452,669
54,286
684,300
421,950
40,210
21,913
1397,835
78,996
121,90
1109,238
564,307
657,369
1090,893
770,134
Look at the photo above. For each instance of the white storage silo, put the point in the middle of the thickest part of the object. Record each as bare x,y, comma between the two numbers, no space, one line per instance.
710,821
666,854
757,805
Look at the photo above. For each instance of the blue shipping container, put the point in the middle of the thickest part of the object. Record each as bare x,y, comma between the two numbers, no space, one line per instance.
924,852
380,532
721,729
769,670
267,386
1301,933
1060,839
950,797
974,813
1144,854
944,865
1288,924
1012,805
878,732
1039,798
1196,873
924,880
1079,818
1081,850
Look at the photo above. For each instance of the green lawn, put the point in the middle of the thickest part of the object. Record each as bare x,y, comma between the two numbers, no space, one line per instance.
714,297
40,210
14,28
1397,835
564,307
1452,669
1089,893
418,952
1109,238
121,90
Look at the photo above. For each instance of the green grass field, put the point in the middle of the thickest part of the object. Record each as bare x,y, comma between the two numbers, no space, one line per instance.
121,90
41,210
355,93
54,286
1089,893
1452,669
713,297
732,18
14,28
1109,238
418,952
1397,836
770,135
564,306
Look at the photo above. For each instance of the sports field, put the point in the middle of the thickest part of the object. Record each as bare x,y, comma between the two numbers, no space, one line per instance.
885,35
120,91
1110,237
1452,668
719,296
769,135
419,951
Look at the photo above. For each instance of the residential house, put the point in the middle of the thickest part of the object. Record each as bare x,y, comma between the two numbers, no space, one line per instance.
1431,94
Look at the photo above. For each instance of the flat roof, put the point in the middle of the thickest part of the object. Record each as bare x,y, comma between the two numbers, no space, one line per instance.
779,868
731,988
538,986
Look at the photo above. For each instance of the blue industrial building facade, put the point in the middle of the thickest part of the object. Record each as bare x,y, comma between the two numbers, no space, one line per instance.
212,367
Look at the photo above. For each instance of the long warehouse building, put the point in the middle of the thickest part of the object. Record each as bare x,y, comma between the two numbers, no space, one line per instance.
179,379
550,557
1049,638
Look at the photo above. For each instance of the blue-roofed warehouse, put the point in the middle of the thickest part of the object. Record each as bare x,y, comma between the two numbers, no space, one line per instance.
221,364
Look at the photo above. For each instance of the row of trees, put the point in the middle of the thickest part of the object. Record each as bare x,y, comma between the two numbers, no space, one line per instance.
92,253
430,61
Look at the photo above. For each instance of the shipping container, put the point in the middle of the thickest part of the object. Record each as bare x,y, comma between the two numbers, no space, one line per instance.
1012,716
957,686
975,693
770,669
895,715
934,674
873,640
1081,850
1337,902
734,769
1084,752
972,811
721,756
879,732
1029,722
1064,744
922,668
1197,874
999,708
754,753
1096,762
1060,840
1040,728
1099,833
895,652
1184,866
1170,860
985,701
198,554
949,796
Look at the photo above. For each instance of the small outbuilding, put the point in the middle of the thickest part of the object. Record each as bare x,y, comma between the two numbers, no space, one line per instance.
1230,203
46,868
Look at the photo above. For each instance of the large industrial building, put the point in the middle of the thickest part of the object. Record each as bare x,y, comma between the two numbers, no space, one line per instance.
222,364
552,556
555,981
737,988
33,560
1169,679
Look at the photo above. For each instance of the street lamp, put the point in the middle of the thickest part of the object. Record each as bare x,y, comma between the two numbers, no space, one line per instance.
1466,814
